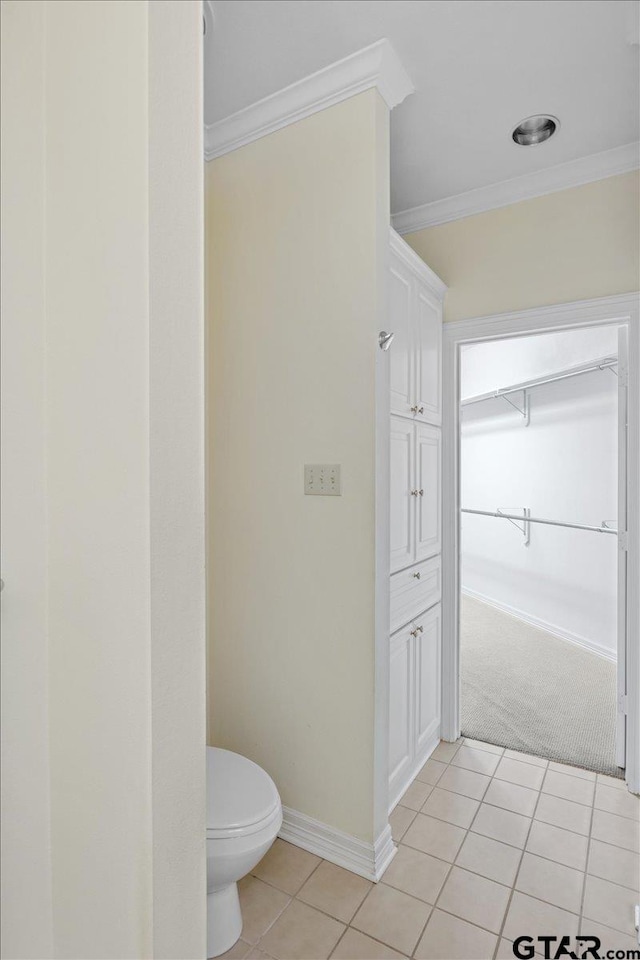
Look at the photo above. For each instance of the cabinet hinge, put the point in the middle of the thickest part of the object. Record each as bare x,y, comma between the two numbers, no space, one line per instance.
623,540
622,703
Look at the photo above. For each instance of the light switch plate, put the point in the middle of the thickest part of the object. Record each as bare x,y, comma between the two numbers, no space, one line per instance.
322,480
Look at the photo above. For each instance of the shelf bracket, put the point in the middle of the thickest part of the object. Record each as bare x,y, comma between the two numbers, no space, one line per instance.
524,527
525,410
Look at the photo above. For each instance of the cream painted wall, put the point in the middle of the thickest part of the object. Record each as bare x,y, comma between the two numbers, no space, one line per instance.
97,277
103,417
25,861
176,452
292,350
572,245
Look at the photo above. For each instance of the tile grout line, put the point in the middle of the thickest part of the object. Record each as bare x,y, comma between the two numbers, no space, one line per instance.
291,896
508,810
453,863
450,865
447,875
517,873
342,936
469,830
586,863
483,836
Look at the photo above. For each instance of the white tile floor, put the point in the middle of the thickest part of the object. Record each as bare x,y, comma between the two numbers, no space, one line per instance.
492,845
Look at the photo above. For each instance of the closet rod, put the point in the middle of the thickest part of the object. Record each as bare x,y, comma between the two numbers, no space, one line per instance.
551,523
603,364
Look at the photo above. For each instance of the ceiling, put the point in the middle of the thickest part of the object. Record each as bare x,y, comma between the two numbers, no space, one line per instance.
478,66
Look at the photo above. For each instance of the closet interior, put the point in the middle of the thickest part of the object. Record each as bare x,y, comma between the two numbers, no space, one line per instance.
539,630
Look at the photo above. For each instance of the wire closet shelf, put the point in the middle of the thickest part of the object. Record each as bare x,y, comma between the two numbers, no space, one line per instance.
602,363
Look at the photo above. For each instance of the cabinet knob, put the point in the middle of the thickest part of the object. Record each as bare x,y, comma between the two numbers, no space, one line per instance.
417,575
421,493
417,409
420,629
414,633
415,493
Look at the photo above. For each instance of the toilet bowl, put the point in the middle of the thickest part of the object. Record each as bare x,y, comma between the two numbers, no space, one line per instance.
244,815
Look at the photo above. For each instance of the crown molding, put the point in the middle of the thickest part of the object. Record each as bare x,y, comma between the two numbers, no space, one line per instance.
561,177
402,249
375,66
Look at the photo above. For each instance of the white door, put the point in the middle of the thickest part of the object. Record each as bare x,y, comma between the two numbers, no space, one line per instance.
623,380
401,354
428,456
400,707
427,677
401,500
428,336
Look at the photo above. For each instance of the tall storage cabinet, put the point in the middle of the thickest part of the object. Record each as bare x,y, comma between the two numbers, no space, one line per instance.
416,296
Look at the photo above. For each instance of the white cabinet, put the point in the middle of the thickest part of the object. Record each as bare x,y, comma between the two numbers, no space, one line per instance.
414,496
400,705
428,340
414,698
401,501
414,590
428,680
401,358
415,301
415,305
428,467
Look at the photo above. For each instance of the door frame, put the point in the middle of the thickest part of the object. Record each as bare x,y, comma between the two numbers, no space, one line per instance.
623,309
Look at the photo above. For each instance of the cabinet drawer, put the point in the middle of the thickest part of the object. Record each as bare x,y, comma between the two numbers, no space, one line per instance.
414,590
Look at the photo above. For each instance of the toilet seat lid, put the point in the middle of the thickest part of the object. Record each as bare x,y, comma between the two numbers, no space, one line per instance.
239,792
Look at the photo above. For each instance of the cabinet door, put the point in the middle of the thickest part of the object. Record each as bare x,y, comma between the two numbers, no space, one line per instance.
427,678
402,503
401,696
401,366
428,480
428,355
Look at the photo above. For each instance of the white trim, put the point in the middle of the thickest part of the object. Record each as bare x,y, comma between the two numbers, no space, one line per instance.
402,250
591,645
584,313
368,860
382,605
563,176
415,768
375,66
556,316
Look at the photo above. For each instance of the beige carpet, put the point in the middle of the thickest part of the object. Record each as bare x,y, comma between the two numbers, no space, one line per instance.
527,690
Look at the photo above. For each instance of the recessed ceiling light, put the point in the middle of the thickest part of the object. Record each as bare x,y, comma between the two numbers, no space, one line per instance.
535,130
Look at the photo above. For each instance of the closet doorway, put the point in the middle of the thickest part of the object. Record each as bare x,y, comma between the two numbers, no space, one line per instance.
540,650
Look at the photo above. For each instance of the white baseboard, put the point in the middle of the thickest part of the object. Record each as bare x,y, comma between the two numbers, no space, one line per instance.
368,860
591,645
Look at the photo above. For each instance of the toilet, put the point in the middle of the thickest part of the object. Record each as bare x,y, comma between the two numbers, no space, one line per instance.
244,815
